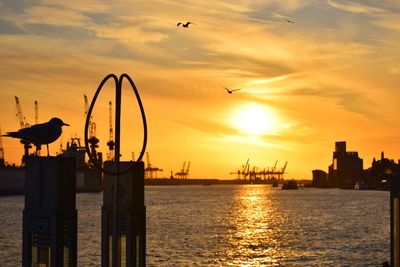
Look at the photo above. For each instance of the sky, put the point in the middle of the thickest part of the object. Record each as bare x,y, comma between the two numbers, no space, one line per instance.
332,75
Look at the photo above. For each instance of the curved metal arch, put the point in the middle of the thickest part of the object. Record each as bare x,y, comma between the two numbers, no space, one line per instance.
118,86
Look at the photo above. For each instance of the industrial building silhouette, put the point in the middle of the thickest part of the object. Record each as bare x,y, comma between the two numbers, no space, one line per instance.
347,170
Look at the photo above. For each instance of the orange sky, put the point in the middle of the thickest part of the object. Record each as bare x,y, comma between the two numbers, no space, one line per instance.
333,75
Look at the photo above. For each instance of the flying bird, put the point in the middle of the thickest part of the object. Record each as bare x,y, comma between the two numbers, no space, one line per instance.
288,20
40,134
185,25
231,91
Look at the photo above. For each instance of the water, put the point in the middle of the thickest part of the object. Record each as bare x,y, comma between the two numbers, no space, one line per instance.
235,225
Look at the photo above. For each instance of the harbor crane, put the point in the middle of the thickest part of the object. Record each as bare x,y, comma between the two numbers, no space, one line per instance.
257,174
36,122
244,171
184,173
23,124
280,173
21,118
150,170
93,140
110,142
36,112
2,162
92,124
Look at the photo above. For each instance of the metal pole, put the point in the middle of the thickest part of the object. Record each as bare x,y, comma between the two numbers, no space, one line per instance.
117,159
394,221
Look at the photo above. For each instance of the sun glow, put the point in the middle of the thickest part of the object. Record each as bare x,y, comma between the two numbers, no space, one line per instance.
254,119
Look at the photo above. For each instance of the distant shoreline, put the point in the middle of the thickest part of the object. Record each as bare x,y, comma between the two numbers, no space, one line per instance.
204,181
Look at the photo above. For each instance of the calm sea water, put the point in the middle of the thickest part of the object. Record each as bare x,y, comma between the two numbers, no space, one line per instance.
235,225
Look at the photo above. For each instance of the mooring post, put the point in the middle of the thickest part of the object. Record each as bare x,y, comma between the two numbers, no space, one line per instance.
50,216
131,220
394,221
123,218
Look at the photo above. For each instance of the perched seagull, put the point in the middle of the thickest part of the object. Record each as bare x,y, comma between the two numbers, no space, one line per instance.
231,91
185,25
40,134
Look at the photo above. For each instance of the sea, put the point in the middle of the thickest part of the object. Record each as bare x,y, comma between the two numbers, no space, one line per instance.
234,225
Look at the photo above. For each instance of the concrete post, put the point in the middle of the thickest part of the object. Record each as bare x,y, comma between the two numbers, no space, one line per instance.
131,216
50,216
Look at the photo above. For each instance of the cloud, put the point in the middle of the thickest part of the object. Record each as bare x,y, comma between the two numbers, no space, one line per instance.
357,8
92,6
54,16
388,21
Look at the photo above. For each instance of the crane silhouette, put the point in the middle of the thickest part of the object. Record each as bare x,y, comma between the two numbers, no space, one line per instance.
230,91
185,25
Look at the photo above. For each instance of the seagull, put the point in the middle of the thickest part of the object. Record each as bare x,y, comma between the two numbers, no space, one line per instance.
288,20
40,134
185,25
231,91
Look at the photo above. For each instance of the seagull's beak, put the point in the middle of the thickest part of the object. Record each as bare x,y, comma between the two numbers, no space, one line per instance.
65,124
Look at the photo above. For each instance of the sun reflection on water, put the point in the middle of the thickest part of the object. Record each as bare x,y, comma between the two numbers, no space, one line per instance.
255,227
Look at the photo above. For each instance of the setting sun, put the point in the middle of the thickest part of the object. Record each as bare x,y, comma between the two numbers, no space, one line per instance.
254,119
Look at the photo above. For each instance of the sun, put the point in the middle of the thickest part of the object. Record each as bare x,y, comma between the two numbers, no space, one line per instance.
254,119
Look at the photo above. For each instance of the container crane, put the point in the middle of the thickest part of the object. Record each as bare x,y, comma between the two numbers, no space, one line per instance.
258,173
184,173
36,122
93,141
187,171
2,162
282,171
244,171
92,124
21,118
110,142
36,112
149,170
23,124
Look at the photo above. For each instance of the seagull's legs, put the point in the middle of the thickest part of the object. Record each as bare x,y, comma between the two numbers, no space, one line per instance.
48,154
38,148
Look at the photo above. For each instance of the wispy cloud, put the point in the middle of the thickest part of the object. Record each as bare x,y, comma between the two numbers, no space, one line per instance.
353,7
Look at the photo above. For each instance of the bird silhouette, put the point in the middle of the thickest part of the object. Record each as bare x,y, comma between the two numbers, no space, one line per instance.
288,20
40,134
185,25
231,91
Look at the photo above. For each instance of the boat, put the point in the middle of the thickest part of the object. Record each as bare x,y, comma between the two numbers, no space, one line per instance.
290,185
361,186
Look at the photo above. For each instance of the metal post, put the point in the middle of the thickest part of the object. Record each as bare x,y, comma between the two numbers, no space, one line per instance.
126,219
117,161
394,221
